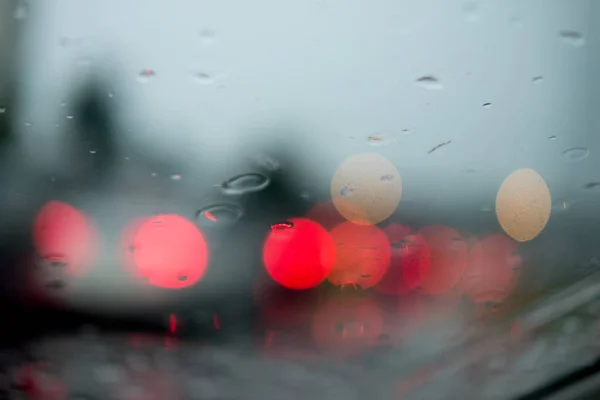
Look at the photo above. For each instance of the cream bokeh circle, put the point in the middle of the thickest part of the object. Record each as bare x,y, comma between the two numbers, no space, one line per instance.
523,204
366,188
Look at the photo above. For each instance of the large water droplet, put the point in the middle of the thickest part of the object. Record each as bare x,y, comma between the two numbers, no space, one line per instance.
487,105
553,137
93,151
245,183
219,215
576,153
572,38
429,82
2,110
537,79
146,75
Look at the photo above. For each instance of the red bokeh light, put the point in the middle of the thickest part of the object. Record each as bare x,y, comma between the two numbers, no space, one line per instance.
362,255
493,270
410,258
299,255
62,233
168,250
448,258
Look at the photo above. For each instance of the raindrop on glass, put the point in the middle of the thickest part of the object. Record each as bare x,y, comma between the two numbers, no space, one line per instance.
572,38
245,183
346,190
405,131
2,110
576,153
553,137
145,75
69,117
153,174
110,94
429,82
377,140
487,105
537,79
93,151
203,78
282,226
219,214
21,10
560,205
176,177
592,186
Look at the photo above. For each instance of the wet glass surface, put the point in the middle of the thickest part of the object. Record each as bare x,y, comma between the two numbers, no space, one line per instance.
328,199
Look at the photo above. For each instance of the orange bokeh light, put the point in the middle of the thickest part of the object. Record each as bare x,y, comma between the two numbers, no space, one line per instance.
362,255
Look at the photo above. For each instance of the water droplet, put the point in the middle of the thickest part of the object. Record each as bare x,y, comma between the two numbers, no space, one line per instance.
21,10
69,117
592,186
219,214
64,103
110,94
245,183
347,190
145,75
429,82
378,140
93,151
2,110
176,177
27,123
576,153
203,78
154,174
553,137
405,131
560,205
572,38
487,105
281,226
537,79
